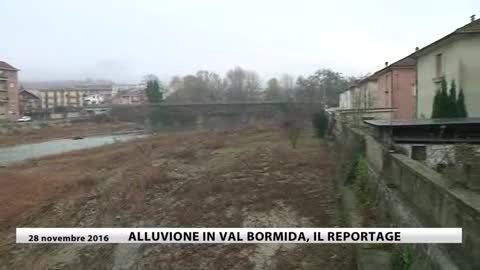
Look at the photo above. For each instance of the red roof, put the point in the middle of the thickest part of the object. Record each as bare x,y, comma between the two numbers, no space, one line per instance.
6,66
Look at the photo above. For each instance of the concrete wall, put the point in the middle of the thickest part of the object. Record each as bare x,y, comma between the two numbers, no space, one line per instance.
354,117
346,100
365,95
372,95
461,62
358,98
374,153
407,193
440,206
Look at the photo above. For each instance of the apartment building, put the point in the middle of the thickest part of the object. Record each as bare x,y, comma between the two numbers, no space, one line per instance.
9,107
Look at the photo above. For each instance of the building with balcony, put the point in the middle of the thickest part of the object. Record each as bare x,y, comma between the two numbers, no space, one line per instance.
9,106
30,102
74,97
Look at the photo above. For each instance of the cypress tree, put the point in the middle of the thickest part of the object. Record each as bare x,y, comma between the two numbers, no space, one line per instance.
452,100
443,111
461,108
153,91
436,105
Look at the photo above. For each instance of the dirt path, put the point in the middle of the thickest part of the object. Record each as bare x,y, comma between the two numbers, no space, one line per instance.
249,177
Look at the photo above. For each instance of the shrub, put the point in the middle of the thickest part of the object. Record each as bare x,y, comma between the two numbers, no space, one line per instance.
403,258
292,122
320,123
293,128
361,174
350,171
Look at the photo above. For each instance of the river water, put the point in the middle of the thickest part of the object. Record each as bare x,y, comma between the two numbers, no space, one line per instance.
13,154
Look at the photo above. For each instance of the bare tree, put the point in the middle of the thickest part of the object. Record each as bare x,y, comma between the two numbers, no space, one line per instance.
204,86
214,84
273,91
252,85
176,83
242,85
235,81
288,84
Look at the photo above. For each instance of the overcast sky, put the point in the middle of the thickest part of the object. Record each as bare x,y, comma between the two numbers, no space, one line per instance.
125,39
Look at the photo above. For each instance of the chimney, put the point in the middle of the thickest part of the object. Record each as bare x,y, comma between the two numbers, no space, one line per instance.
472,18
386,64
416,49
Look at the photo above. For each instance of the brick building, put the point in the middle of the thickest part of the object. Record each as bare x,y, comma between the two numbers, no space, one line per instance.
9,107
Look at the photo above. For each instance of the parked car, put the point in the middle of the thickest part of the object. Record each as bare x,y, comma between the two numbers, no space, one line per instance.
24,118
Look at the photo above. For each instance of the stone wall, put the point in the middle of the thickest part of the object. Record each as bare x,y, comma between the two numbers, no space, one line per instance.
458,162
407,193
440,205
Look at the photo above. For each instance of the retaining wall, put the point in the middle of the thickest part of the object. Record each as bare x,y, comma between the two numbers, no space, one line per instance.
407,193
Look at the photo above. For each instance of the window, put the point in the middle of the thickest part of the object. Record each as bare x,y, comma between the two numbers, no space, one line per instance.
438,65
